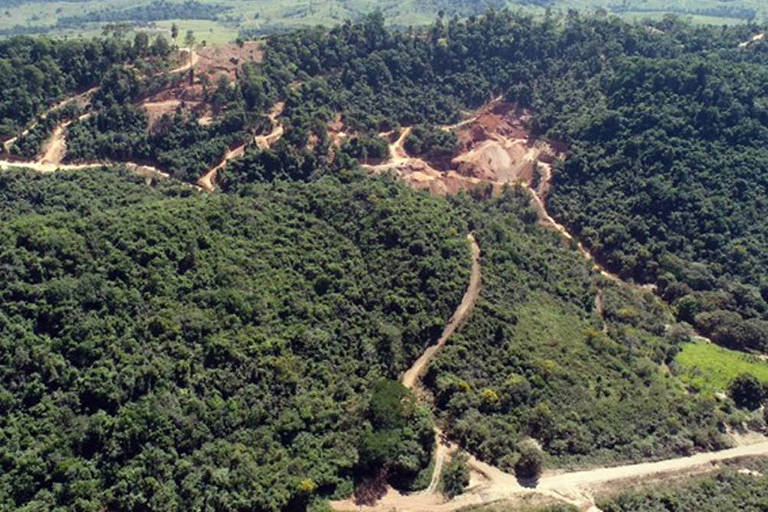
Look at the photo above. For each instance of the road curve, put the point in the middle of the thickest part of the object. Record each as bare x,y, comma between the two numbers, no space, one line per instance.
413,374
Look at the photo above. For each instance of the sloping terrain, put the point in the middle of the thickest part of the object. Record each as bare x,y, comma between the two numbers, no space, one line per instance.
164,348
153,335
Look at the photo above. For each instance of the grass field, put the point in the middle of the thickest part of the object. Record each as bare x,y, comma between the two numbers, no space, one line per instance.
709,368
265,16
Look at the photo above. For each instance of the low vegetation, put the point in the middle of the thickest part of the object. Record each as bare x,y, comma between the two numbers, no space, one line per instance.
533,361
455,477
708,368
729,489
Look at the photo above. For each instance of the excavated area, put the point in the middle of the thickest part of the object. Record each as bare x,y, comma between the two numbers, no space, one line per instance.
495,148
210,65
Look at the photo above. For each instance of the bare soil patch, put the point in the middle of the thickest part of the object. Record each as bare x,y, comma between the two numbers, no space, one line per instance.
495,149
224,59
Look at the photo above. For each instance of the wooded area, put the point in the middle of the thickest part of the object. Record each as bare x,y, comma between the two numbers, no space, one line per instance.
160,352
162,349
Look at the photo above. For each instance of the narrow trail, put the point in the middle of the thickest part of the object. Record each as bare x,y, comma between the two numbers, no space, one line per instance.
192,59
754,39
411,377
490,484
85,95
55,148
397,148
475,117
208,181
268,140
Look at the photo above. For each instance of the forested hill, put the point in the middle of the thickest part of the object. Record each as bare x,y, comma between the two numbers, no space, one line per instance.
36,72
167,351
665,126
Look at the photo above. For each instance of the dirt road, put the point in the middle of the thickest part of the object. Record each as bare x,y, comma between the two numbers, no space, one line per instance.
490,484
397,149
754,39
576,488
55,148
77,97
413,374
192,58
47,168
207,181
410,379
267,141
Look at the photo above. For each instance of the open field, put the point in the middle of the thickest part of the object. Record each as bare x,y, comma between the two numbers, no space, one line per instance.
710,368
261,17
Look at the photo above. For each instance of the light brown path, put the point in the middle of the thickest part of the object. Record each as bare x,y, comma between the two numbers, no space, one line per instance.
55,148
192,58
485,108
207,181
754,39
410,380
47,168
413,374
81,97
269,140
575,487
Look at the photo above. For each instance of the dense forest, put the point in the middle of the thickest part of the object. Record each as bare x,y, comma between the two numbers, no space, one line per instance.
663,124
37,72
164,350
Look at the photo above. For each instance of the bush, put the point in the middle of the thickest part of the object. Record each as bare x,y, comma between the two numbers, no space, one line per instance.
747,391
531,461
456,476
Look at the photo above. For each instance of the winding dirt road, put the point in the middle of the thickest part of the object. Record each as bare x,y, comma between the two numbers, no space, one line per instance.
192,59
269,140
754,39
208,181
411,377
488,483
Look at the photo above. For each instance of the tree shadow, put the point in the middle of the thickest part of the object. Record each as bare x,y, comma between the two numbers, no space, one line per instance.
371,489
528,483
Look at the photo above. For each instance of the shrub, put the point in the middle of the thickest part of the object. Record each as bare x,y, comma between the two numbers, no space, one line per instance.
531,461
456,476
747,391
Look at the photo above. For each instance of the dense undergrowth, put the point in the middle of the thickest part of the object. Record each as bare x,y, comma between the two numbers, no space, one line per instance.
161,352
534,361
